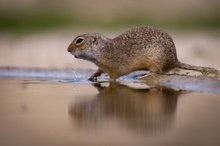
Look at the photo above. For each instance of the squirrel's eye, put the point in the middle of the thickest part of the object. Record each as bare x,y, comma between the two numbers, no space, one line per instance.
79,40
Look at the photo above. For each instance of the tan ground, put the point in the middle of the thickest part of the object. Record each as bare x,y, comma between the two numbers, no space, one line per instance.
49,50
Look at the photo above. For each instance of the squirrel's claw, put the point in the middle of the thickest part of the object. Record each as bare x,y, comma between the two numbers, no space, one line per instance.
95,75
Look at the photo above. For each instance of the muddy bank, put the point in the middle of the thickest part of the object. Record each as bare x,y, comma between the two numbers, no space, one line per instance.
184,82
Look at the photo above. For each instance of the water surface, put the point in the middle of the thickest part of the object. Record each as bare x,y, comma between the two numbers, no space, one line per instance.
53,112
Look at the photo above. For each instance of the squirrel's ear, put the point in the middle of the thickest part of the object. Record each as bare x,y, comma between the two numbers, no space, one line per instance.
94,40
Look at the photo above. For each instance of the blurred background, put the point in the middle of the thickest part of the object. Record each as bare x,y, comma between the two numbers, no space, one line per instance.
36,33
20,15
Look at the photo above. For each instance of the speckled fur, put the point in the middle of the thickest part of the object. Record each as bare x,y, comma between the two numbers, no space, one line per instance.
141,48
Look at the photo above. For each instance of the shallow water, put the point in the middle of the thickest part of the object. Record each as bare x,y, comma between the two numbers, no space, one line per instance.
61,112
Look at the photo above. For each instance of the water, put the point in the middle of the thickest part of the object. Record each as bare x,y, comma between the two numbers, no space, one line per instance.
62,112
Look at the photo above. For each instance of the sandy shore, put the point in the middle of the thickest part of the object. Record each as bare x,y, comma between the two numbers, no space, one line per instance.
49,50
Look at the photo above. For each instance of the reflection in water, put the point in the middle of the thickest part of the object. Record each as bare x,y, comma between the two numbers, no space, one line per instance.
142,110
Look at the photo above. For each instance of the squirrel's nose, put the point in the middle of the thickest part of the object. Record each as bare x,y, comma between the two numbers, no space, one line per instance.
69,49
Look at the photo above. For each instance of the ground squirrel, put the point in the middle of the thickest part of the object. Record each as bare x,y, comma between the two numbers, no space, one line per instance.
140,48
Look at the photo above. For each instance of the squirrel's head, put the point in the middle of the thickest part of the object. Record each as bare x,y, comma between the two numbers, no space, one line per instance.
87,46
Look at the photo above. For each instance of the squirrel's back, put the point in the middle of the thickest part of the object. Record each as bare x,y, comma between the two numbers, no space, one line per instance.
150,44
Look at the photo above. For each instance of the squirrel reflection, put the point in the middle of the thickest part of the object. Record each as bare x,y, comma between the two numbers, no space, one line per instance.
143,110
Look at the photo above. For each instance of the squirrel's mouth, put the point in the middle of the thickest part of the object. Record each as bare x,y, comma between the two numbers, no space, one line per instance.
82,55
76,55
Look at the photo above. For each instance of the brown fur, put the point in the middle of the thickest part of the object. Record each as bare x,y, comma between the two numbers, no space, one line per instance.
141,48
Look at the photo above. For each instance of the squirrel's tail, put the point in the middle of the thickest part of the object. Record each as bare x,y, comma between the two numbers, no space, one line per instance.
198,68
